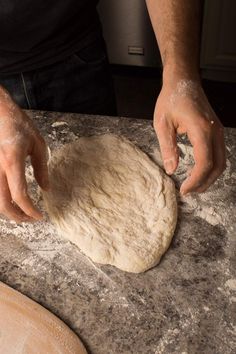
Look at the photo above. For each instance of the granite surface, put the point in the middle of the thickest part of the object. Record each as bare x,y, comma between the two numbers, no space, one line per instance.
185,305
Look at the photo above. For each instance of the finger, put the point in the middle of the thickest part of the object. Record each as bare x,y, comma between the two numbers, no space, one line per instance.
219,157
18,188
7,208
39,157
13,212
167,139
203,156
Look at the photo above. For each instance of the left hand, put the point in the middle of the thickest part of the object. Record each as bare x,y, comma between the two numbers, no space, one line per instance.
182,107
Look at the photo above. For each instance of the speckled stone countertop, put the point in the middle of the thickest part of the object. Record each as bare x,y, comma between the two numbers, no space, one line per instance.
185,305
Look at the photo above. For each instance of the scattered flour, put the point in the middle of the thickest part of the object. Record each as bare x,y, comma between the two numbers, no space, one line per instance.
231,284
49,243
59,124
209,205
185,88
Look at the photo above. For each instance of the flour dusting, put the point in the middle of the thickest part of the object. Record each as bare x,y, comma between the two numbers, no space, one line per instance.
208,205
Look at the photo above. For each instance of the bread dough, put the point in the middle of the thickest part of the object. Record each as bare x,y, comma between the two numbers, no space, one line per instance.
112,201
28,328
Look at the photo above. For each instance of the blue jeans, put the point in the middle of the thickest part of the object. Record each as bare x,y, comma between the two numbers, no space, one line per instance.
82,84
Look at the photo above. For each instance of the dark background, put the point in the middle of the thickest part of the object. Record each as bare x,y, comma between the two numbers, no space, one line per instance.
137,89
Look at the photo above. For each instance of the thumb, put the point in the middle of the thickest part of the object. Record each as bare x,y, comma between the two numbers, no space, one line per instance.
166,134
39,158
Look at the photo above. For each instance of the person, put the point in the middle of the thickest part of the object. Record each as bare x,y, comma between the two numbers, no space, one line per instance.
53,57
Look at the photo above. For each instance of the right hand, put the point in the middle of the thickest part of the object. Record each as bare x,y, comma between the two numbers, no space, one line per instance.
18,139
183,108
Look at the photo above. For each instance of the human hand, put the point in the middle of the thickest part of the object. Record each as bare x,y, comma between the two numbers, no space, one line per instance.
18,139
182,107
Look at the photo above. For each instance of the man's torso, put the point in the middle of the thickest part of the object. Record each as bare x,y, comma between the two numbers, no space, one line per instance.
36,33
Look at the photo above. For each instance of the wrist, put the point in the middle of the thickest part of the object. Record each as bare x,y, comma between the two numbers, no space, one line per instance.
173,73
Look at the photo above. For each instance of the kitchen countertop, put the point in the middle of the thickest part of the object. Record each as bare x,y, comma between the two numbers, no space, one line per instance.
185,305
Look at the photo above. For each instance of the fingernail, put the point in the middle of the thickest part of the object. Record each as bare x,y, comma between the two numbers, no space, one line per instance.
183,193
40,215
169,166
27,218
38,219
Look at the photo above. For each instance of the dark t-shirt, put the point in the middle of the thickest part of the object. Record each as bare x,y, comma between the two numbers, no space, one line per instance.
35,33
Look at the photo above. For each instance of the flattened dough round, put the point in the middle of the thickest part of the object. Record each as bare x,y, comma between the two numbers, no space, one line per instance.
112,201
28,328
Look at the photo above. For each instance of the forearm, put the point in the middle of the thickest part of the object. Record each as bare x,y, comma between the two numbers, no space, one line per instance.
176,24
